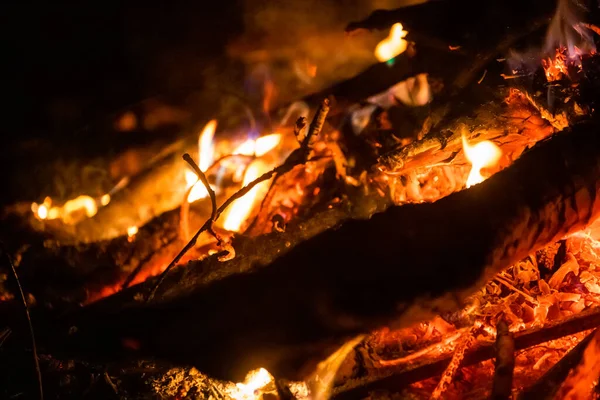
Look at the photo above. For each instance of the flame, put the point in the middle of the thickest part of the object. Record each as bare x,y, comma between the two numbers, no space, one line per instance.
206,150
70,212
132,230
260,146
254,381
393,45
567,31
556,68
104,200
481,155
241,208
206,146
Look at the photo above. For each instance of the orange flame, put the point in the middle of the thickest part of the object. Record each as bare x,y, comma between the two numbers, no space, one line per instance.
72,211
393,45
206,150
481,155
241,208
260,146
132,231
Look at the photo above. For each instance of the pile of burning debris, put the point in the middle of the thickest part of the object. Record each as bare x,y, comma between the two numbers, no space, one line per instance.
431,215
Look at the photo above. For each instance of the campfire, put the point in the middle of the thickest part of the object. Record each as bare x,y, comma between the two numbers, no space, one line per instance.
426,229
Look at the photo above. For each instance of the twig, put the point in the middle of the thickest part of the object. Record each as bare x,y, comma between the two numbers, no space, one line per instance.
111,383
32,335
505,363
4,334
202,177
297,157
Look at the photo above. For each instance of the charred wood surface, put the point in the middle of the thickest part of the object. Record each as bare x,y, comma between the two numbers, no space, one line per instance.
399,267
461,18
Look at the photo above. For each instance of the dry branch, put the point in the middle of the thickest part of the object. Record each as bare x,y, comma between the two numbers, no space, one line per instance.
505,363
358,277
34,352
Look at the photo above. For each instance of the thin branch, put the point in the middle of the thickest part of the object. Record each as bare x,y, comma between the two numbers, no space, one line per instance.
505,363
298,156
202,177
32,335
209,189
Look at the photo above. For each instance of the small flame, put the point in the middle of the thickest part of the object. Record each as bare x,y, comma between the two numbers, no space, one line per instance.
206,149
260,146
104,200
254,381
393,45
71,211
241,208
481,155
131,231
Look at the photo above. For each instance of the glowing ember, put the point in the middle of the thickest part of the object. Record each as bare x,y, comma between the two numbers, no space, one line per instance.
556,68
206,149
132,230
260,146
104,200
71,212
393,45
241,208
483,154
254,381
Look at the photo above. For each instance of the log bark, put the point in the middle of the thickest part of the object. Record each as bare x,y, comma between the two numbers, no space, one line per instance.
401,266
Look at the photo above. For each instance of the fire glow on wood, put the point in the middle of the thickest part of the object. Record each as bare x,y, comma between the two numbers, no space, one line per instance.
558,282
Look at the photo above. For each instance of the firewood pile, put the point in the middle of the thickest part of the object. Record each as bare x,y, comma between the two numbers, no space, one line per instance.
425,229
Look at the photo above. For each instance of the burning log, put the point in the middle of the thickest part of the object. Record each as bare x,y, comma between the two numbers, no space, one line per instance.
303,302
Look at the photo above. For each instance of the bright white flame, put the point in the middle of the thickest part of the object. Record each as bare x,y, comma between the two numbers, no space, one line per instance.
104,200
241,208
481,155
206,152
393,45
260,146
198,190
42,211
132,230
254,381
206,148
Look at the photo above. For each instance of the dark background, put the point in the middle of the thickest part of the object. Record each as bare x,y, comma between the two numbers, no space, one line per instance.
69,69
